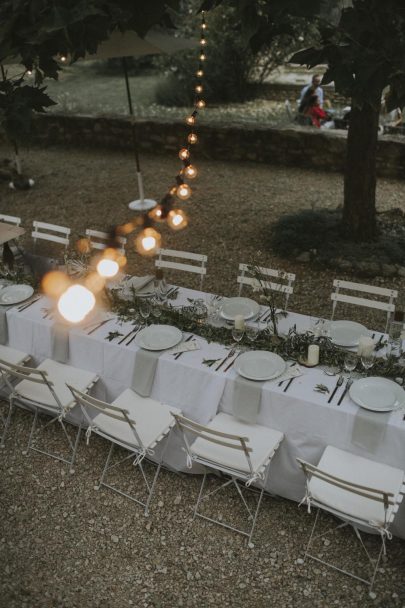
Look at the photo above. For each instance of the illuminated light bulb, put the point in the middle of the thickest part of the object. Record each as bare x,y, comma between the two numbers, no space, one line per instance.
173,191
156,214
29,72
199,88
54,283
192,138
107,268
203,57
75,303
83,245
203,42
184,154
190,171
200,103
148,242
177,219
190,120
94,282
183,192
63,58
199,73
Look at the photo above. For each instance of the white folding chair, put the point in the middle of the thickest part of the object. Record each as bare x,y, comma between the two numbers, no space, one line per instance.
46,232
199,268
242,451
10,219
363,493
337,296
135,423
44,390
99,240
16,357
245,278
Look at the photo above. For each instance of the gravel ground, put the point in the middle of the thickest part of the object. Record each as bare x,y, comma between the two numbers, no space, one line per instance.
63,544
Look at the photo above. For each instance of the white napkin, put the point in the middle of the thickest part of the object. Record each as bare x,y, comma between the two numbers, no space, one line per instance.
291,372
184,347
137,283
369,429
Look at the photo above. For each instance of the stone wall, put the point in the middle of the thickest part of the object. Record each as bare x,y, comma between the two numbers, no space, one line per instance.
291,146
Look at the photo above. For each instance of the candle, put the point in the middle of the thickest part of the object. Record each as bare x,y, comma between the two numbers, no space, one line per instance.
313,354
239,322
366,346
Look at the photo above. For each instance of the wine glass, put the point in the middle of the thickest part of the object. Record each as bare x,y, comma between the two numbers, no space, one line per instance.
237,334
156,309
252,331
367,360
144,309
350,362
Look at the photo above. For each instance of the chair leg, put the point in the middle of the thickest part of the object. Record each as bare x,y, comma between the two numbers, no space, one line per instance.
259,502
34,422
200,495
107,462
7,424
152,488
311,535
76,445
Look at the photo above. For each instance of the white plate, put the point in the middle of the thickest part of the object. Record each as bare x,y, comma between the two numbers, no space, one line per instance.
158,337
259,365
347,333
14,294
377,394
233,307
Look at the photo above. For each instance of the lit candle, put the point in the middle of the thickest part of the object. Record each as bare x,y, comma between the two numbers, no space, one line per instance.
313,354
366,346
239,322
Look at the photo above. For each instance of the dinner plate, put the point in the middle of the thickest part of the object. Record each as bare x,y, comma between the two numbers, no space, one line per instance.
347,333
158,337
377,394
259,365
14,294
233,307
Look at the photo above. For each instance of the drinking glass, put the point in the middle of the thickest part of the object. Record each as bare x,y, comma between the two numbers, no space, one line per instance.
237,334
200,310
156,309
144,308
350,362
252,331
368,360
324,328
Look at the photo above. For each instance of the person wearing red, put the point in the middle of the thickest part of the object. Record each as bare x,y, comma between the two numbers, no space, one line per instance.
315,112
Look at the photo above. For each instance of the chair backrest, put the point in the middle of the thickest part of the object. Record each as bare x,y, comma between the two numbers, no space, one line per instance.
89,405
338,296
245,278
200,268
22,372
387,499
44,231
233,442
10,219
99,240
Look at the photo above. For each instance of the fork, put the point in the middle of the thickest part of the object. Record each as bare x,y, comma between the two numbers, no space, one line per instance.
338,384
228,356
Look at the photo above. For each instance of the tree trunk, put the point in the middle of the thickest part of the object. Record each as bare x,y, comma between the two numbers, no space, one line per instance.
359,214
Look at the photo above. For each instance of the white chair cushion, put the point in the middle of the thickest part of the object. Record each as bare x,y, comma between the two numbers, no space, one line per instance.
152,419
11,355
359,470
59,374
262,440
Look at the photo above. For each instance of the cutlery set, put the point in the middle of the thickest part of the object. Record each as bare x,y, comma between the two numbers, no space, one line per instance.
134,331
28,304
177,355
339,383
231,353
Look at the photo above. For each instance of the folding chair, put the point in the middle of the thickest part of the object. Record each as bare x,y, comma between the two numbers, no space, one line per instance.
44,389
241,451
16,357
252,281
45,232
363,493
134,423
199,268
10,219
337,296
99,240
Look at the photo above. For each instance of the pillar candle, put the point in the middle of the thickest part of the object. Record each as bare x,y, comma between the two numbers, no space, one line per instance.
313,354
239,322
366,346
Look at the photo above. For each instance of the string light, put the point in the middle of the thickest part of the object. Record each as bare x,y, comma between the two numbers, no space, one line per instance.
63,58
203,42
183,191
192,138
184,154
203,56
148,242
199,73
199,88
76,303
108,268
190,120
190,172
177,219
200,103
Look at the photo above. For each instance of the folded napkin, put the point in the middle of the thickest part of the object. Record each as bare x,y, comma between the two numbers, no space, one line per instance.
137,283
246,398
369,429
184,347
144,371
291,372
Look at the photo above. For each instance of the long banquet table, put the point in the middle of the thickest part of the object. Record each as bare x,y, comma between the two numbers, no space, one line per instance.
308,422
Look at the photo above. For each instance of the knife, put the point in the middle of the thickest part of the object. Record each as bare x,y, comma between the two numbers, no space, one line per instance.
128,334
98,326
177,355
29,304
348,385
288,384
137,330
232,362
230,354
338,383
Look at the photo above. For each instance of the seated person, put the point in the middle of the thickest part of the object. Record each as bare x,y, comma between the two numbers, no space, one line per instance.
314,111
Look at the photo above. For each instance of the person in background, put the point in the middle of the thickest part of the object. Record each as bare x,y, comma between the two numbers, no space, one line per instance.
315,112
317,89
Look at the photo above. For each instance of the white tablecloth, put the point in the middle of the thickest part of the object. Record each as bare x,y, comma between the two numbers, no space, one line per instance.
304,416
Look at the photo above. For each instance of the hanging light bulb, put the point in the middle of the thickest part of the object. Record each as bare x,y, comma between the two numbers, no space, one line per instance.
190,171
55,283
199,73
29,72
203,42
183,191
199,88
107,268
177,219
63,58
200,103
203,25
203,56
192,138
156,214
148,241
190,120
75,303
184,154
